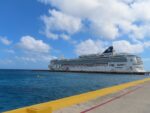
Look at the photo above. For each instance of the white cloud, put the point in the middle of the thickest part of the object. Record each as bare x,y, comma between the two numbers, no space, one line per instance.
146,59
62,23
128,1
29,43
5,41
140,32
11,51
147,44
26,58
141,7
35,58
6,61
109,19
76,7
124,46
64,36
90,47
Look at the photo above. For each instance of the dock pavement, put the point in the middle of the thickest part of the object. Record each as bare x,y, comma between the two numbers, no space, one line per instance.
131,100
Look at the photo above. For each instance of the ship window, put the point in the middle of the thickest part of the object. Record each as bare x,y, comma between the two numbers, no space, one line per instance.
111,65
120,64
131,60
131,68
118,67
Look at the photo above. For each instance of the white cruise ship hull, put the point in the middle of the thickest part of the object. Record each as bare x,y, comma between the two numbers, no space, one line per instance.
96,69
106,62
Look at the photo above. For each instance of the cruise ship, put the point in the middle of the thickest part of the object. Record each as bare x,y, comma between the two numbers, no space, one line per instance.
108,61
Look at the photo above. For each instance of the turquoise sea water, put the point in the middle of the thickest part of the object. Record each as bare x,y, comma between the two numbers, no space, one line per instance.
19,88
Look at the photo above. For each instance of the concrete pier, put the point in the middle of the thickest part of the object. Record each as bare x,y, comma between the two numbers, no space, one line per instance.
131,100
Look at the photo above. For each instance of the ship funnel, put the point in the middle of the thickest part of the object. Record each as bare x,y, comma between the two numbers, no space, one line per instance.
109,50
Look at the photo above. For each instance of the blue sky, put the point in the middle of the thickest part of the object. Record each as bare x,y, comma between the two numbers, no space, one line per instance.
34,31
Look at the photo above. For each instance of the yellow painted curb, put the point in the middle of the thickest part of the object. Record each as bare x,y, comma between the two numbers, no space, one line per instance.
48,107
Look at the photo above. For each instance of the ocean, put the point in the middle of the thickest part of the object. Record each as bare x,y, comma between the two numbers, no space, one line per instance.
20,88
